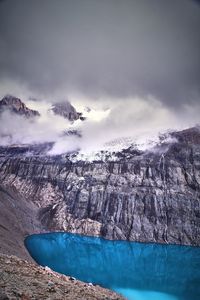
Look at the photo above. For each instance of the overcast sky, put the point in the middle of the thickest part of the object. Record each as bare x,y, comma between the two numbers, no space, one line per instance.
139,57
117,48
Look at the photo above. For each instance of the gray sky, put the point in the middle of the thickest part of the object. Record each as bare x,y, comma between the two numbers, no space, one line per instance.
112,48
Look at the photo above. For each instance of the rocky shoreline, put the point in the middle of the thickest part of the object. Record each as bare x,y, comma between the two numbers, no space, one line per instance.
20,279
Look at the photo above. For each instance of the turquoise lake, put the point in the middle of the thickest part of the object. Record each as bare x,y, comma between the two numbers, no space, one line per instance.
138,271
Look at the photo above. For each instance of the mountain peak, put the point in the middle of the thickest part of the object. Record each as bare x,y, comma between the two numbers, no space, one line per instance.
15,105
66,110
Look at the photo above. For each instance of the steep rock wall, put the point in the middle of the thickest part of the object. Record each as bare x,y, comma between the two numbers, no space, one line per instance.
148,197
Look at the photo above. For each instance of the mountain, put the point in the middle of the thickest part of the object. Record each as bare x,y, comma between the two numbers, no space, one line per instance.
146,196
66,110
16,106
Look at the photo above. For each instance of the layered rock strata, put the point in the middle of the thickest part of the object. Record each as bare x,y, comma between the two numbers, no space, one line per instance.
150,196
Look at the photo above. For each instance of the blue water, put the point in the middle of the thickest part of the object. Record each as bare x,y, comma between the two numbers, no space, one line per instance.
137,271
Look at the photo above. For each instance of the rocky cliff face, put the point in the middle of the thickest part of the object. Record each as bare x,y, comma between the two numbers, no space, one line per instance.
16,106
151,196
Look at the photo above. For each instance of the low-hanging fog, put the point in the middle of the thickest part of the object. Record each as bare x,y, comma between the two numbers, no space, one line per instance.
135,120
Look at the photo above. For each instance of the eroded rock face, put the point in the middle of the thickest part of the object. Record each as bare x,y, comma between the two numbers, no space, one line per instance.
16,106
143,196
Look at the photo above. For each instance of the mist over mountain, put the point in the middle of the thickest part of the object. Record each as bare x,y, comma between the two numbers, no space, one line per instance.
71,128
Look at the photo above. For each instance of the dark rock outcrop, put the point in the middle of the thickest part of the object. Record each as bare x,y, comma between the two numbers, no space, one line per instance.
66,110
16,106
150,196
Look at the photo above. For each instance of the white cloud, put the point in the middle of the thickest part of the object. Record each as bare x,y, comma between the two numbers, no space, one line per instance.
46,128
139,120
120,121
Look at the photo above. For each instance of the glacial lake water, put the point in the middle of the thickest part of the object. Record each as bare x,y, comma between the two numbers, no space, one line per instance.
138,271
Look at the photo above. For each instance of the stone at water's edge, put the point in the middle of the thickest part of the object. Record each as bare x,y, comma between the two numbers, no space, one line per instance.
142,196
137,270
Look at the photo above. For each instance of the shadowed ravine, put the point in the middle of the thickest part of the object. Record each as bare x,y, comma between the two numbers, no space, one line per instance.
137,270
